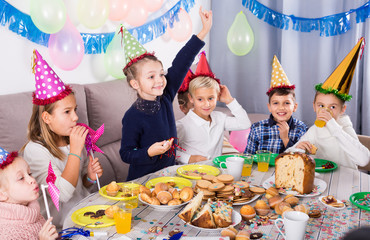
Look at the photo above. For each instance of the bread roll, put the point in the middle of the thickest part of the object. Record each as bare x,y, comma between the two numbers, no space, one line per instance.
164,197
174,202
295,171
186,194
160,187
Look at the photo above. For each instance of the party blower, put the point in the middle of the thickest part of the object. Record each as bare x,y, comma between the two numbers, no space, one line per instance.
90,143
52,189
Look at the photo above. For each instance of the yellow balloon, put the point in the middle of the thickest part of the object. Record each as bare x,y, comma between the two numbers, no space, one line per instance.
240,37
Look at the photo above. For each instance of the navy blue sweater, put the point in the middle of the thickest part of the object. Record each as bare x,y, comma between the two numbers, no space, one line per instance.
140,130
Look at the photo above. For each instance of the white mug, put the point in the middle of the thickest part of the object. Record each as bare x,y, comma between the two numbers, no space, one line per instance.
295,223
234,166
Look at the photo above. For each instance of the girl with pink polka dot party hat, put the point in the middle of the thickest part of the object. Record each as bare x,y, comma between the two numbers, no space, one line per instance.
53,135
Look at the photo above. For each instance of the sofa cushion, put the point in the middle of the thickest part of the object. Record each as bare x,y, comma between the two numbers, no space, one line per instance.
120,168
15,114
80,96
106,103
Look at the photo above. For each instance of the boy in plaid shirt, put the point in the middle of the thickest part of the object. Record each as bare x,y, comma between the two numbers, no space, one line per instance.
280,131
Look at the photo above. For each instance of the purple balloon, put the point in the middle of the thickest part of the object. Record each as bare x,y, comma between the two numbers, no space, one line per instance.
66,47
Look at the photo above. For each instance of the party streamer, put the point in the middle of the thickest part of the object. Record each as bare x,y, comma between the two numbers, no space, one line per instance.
95,43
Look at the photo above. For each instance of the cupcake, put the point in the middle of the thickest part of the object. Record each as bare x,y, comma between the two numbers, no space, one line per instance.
247,212
262,208
112,189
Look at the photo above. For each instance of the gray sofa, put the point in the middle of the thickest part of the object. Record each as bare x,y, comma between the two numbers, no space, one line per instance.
98,103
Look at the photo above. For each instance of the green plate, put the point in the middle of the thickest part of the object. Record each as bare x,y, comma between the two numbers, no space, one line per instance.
356,200
320,162
217,160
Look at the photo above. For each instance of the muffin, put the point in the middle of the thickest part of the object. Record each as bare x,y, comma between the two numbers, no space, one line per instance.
112,189
247,212
262,208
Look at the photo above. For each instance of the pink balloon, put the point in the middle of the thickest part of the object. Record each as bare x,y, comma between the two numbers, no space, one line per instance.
153,5
66,47
239,139
137,14
118,9
182,29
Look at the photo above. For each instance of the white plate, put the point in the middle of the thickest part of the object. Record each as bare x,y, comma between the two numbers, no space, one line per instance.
162,207
329,206
235,217
319,187
249,201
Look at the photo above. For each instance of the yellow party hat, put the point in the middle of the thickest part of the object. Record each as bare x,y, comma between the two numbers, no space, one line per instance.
340,80
278,77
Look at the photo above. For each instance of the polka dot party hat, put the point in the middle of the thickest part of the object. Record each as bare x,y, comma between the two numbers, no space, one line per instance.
6,158
278,77
134,51
49,87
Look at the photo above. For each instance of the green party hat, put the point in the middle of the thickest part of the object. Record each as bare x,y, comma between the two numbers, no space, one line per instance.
134,51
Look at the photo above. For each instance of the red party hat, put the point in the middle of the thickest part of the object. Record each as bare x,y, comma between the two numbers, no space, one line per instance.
185,84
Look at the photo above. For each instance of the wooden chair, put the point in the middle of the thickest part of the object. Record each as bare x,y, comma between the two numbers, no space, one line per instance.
365,140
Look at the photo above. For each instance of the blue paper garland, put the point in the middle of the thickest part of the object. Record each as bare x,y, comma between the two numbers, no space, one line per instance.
328,26
95,43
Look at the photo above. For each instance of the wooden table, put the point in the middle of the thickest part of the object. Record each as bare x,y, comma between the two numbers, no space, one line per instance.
332,225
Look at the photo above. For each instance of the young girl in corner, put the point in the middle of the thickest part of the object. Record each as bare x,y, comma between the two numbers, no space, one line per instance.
20,216
150,121
54,136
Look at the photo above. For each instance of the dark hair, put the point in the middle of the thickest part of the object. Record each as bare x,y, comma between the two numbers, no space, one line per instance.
132,71
281,92
183,98
341,100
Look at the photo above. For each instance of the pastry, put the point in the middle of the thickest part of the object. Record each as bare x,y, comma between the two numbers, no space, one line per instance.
291,199
247,212
279,207
301,208
221,213
204,218
314,214
109,212
275,200
225,178
214,187
160,187
286,209
175,193
295,171
229,232
188,212
143,189
186,194
262,208
313,149
174,202
155,201
146,198
270,192
112,189
164,197
256,235
242,235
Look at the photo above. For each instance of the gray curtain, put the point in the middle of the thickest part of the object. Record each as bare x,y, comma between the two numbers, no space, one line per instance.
307,58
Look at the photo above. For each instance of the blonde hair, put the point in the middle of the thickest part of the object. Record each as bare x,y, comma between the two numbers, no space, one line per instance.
40,132
203,82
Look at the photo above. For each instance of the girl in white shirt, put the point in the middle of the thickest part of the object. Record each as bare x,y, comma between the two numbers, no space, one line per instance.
54,137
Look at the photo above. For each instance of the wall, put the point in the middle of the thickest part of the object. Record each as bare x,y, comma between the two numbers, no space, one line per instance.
16,52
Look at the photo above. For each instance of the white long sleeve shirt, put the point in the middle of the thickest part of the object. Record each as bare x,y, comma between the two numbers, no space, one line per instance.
200,137
38,158
337,142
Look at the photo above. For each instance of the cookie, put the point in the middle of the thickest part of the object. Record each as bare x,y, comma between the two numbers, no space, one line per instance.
314,213
256,235
96,216
203,184
241,185
257,190
173,232
216,187
155,229
227,189
208,177
100,212
89,213
225,178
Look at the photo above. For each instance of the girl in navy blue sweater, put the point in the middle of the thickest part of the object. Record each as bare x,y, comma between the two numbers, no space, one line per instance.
149,123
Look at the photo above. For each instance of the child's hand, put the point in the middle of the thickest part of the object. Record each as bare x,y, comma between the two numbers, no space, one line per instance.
283,128
94,168
77,139
159,148
48,231
305,145
206,18
225,95
324,115
196,158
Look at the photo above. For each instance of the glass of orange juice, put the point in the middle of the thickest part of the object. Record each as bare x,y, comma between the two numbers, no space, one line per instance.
122,219
247,166
263,160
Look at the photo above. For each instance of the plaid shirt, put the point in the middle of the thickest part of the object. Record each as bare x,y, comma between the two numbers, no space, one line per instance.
264,135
